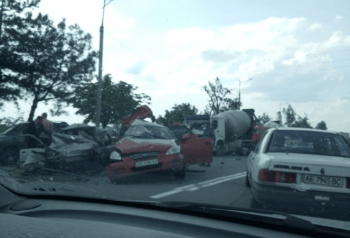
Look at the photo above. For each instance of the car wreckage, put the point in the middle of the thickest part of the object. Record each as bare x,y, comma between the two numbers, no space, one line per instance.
144,146
75,144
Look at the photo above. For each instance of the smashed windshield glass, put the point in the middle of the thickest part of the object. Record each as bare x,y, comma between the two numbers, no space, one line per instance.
149,132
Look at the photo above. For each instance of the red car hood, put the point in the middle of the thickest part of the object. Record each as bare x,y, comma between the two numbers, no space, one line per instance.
131,145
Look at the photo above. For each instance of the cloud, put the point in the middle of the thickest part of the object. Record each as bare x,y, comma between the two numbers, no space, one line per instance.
271,51
315,26
337,39
218,55
136,68
338,18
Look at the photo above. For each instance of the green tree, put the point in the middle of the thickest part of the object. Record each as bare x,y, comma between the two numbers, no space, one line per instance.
218,98
12,14
48,62
230,104
290,116
118,100
264,118
321,125
10,121
302,122
178,113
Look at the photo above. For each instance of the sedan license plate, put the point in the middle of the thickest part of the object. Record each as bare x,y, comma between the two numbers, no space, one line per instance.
323,180
146,162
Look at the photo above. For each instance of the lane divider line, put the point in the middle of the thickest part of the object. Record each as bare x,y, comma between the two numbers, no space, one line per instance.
204,184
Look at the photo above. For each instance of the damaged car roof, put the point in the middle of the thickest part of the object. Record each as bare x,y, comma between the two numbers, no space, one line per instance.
139,122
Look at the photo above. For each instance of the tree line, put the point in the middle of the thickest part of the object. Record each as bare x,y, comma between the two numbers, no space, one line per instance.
219,101
43,63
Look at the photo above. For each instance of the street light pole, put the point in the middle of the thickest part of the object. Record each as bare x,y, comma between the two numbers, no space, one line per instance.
100,63
239,91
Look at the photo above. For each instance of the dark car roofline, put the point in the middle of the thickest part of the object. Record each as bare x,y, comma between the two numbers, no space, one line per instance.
75,126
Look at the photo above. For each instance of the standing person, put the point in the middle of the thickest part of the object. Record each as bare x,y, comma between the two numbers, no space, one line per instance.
31,130
45,138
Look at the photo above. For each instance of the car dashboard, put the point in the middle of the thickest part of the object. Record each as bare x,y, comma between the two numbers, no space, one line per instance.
22,216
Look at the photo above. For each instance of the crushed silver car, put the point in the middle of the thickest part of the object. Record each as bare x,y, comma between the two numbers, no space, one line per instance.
76,144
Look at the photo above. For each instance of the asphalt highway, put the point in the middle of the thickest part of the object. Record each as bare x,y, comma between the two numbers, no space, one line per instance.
222,183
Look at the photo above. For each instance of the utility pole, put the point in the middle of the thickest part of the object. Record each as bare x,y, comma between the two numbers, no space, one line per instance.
239,92
100,63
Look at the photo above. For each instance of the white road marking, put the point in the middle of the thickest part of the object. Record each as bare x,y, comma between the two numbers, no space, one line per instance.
194,187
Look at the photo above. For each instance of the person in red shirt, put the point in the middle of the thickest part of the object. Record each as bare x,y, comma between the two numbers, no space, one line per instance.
46,139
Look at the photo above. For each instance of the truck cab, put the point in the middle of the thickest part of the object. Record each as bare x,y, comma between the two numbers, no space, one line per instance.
218,125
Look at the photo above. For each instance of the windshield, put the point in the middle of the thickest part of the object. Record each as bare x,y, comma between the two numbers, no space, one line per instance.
220,102
148,132
305,142
179,131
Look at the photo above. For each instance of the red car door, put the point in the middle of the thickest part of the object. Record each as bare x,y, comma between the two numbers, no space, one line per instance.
196,150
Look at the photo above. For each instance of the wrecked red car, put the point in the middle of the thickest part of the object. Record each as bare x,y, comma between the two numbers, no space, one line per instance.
146,147
196,150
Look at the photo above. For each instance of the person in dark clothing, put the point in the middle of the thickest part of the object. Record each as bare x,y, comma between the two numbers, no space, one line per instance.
41,130
31,130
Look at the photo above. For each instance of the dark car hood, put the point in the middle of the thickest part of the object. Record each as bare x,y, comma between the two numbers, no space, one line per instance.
130,145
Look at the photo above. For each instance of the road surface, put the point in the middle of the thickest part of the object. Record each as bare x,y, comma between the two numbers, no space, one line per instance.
223,183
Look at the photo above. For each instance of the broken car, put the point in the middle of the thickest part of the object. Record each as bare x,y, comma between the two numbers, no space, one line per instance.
75,145
145,147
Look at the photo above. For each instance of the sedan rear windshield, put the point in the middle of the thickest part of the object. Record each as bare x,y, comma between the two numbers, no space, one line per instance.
148,132
308,142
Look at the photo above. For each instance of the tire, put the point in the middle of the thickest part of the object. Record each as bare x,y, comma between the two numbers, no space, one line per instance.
10,156
247,183
181,174
220,149
245,150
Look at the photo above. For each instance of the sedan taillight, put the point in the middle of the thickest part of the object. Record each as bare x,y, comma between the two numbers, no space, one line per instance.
276,176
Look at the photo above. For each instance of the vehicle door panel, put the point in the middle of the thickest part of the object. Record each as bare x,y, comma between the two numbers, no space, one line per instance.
197,150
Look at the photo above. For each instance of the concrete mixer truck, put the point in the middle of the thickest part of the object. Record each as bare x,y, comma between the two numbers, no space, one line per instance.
232,131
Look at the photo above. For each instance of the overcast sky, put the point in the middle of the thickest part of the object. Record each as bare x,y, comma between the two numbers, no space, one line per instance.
296,52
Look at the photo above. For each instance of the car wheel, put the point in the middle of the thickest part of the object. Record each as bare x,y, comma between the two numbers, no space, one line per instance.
220,149
247,183
10,156
181,174
245,149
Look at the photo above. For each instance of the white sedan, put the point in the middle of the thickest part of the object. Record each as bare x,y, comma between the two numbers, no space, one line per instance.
316,173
